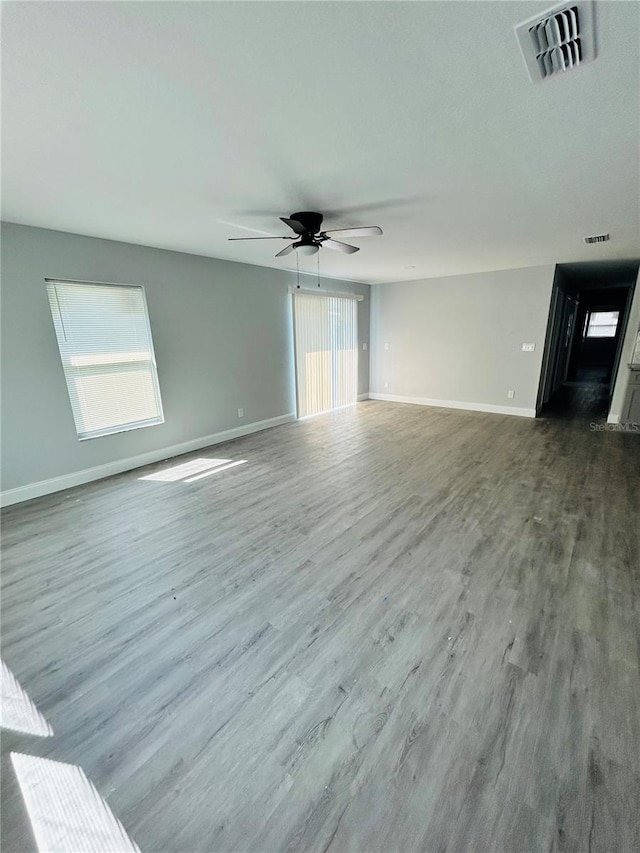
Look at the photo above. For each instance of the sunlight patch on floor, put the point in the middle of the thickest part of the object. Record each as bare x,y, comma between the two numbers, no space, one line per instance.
185,469
17,712
216,470
66,811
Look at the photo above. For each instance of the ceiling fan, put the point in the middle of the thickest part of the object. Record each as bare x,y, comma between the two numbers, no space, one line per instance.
308,238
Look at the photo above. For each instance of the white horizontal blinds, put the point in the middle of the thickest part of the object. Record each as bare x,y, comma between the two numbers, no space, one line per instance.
326,352
602,324
107,355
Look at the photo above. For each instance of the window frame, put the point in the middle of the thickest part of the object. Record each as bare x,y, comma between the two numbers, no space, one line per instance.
588,326
88,369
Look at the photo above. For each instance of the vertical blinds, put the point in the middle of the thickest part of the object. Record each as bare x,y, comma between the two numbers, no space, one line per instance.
326,345
107,355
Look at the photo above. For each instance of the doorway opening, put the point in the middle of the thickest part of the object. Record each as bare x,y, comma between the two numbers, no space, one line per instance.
590,305
596,339
326,352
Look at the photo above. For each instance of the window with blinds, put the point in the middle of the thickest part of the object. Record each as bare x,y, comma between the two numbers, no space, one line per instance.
601,324
326,346
107,355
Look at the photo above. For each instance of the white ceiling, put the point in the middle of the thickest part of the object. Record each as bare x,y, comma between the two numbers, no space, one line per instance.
181,124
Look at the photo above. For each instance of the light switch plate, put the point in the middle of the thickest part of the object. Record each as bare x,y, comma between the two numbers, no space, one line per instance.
528,347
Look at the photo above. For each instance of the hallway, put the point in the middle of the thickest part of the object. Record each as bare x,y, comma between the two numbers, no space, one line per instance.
579,402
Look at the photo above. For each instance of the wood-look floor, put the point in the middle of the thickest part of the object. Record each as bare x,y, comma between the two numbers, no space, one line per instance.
394,629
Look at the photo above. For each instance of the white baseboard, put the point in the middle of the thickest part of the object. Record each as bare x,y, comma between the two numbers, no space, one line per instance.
456,404
613,419
87,475
362,397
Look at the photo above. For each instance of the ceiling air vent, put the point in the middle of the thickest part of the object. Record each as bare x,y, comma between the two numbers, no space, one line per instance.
559,40
598,238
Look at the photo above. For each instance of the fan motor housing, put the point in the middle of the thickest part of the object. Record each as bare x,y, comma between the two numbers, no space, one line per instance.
310,221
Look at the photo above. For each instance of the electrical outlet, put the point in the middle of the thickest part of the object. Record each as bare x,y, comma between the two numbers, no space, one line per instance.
386,346
386,384
528,347
365,346
511,394
240,413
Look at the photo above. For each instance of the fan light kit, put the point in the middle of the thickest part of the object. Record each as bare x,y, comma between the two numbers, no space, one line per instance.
306,249
308,238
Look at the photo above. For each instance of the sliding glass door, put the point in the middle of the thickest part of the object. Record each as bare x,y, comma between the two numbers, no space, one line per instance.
326,346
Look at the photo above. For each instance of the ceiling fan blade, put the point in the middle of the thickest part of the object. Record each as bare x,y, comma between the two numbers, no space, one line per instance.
260,238
339,247
285,251
368,231
294,224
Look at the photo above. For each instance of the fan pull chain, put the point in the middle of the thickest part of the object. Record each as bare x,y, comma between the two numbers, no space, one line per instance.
298,271
318,261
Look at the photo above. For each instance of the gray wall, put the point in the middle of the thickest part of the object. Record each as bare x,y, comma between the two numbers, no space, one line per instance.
459,338
222,338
